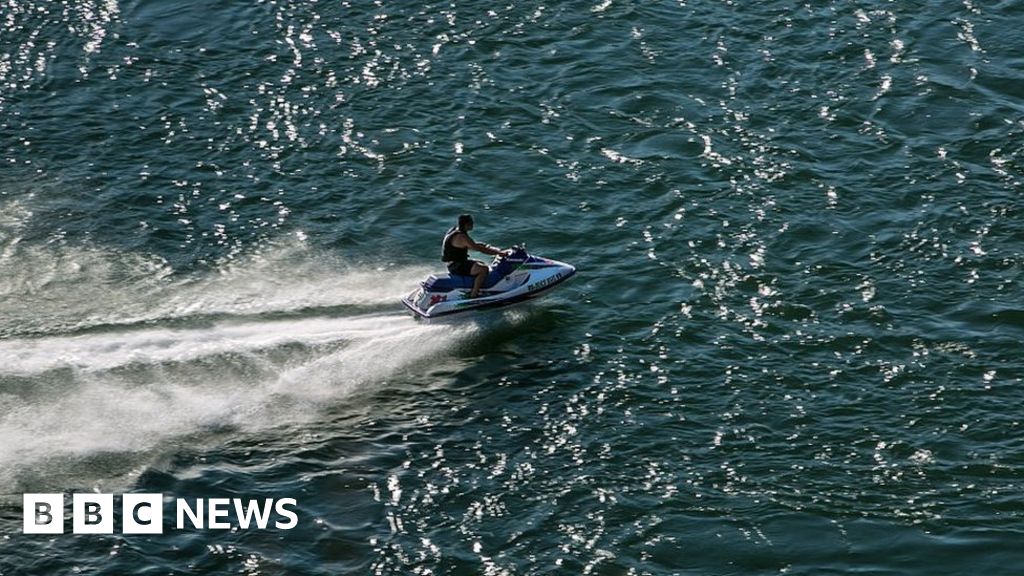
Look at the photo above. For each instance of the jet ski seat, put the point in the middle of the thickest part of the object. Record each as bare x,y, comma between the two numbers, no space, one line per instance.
451,282
503,267
447,283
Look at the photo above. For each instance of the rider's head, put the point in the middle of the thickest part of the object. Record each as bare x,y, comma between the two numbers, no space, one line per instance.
465,222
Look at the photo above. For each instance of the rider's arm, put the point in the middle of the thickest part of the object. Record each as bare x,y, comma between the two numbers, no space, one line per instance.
464,241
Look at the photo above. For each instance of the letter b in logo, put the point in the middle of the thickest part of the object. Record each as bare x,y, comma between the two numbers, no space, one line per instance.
43,513
93,513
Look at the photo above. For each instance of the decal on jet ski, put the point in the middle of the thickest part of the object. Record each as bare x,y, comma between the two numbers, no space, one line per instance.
545,282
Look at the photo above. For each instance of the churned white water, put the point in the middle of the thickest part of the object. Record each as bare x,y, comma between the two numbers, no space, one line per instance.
127,366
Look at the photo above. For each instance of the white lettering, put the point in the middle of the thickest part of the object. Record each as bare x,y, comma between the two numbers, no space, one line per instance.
282,511
43,513
92,514
218,508
142,514
185,510
246,514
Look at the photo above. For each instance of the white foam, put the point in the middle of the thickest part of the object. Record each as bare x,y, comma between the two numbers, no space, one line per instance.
118,395
61,289
114,353
105,351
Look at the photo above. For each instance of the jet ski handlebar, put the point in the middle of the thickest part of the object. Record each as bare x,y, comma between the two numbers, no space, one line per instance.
516,251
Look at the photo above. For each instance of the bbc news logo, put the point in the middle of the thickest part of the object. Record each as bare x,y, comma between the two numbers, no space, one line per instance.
144,514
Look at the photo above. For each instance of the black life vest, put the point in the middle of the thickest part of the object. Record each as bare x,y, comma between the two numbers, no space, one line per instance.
450,252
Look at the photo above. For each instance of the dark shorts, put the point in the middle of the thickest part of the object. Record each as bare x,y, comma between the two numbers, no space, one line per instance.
463,268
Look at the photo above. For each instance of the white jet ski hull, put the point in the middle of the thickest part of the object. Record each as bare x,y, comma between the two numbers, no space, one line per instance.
514,278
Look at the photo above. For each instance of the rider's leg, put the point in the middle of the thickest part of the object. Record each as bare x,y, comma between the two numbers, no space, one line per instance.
479,273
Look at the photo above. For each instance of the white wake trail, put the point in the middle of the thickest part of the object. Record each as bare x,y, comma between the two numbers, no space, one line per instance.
105,351
64,289
109,353
134,392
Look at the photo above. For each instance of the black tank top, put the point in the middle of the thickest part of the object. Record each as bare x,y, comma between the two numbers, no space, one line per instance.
450,252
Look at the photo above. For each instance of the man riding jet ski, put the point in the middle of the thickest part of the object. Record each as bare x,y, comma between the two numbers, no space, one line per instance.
513,276
455,253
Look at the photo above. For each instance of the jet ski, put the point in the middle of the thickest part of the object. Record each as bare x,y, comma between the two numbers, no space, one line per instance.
514,276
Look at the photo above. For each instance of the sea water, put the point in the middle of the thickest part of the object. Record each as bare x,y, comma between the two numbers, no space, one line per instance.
792,346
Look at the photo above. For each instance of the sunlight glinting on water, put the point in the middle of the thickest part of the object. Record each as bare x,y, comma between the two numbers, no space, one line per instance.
788,348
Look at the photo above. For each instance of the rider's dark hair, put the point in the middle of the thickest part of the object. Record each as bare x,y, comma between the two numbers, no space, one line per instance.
464,220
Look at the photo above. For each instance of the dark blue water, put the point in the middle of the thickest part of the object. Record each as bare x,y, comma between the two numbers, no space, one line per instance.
792,346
